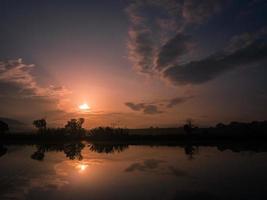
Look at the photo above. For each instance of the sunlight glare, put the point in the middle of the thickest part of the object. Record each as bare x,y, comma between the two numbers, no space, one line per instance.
82,167
84,106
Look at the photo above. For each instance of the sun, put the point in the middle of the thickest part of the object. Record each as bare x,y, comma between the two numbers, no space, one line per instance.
84,106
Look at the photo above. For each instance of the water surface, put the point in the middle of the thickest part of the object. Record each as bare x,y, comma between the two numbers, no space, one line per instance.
103,172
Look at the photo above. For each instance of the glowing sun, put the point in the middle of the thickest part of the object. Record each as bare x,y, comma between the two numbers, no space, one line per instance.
84,106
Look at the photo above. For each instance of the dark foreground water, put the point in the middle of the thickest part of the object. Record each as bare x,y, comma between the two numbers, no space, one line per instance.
86,171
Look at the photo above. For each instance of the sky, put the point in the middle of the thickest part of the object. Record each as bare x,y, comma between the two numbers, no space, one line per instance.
136,63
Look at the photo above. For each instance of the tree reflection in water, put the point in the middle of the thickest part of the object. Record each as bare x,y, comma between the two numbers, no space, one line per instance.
3,150
107,147
39,154
72,150
190,151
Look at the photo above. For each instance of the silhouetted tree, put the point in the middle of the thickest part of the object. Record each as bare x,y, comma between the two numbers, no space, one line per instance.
220,125
75,125
40,124
188,127
80,123
3,127
107,133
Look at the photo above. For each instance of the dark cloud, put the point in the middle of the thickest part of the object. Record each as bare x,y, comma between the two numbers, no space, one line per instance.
135,107
174,48
140,43
197,72
171,58
245,39
196,11
153,108
141,49
176,101
146,108
156,35
145,30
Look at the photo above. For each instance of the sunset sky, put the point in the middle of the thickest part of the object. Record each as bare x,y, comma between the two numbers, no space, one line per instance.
135,63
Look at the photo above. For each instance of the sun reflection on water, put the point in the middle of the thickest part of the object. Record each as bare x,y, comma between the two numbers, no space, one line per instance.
81,167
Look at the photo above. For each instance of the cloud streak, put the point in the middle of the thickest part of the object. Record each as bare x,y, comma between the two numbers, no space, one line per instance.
198,72
176,101
176,47
146,108
158,106
20,89
18,74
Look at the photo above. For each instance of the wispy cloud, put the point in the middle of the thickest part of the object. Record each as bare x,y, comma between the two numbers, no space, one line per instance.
146,108
157,107
16,72
20,89
176,101
19,74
